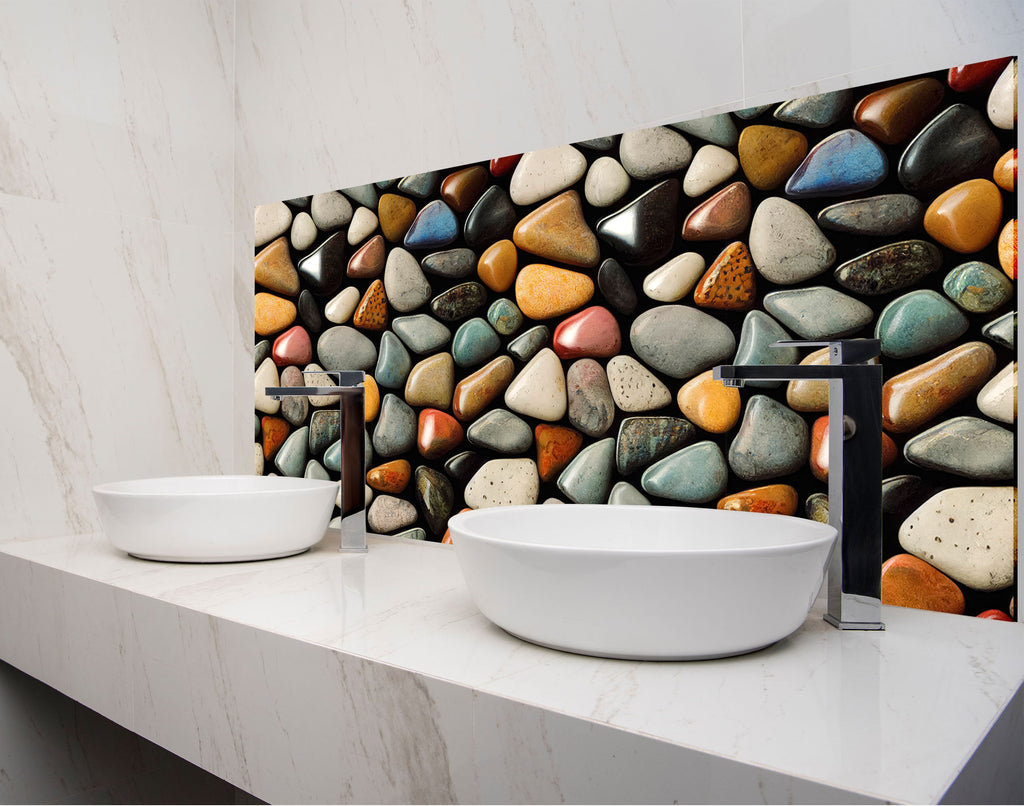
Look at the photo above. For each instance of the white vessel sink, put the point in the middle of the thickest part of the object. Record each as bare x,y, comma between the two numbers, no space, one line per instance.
647,583
213,519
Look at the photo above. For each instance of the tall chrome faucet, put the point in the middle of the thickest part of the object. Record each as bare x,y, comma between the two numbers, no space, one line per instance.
854,470
351,421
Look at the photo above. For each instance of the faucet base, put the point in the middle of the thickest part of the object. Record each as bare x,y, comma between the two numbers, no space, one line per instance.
853,625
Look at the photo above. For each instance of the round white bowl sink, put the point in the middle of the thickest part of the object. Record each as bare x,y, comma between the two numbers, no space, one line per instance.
215,519
639,582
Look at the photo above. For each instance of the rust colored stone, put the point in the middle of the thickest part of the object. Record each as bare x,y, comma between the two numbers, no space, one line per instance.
273,314
497,266
460,189
558,231
391,477
438,434
966,217
396,214
774,499
543,292
915,397
372,311
819,449
556,447
729,283
368,260
709,404
275,270
769,154
275,432
476,392
1008,249
448,532
1005,172
967,77
892,114
504,165
722,217
911,582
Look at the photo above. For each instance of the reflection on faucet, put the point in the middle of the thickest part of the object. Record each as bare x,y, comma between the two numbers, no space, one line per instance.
855,470
350,422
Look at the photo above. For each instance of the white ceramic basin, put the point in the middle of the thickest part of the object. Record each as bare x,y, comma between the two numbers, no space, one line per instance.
213,519
648,583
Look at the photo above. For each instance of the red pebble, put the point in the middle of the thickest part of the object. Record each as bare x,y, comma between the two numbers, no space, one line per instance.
995,615
591,333
503,165
292,347
972,76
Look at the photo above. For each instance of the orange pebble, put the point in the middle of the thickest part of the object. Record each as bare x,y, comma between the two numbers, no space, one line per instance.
1008,249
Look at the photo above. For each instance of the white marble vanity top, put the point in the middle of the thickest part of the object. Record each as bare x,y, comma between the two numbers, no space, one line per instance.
370,678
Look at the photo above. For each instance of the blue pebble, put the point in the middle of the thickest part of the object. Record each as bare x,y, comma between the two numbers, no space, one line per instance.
845,162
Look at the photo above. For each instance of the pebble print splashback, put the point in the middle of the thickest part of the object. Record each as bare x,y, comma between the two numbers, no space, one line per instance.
541,328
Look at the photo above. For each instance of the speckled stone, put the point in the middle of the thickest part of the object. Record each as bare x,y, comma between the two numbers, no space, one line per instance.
390,514
786,244
966,218
271,221
717,129
503,482
889,268
538,390
729,284
606,183
773,499
431,382
475,341
998,398
593,332
920,394
315,376
769,154
368,260
343,347
591,407
272,314
968,534
492,219
615,286
556,447
957,144
421,333
884,215
772,441
395,432
462,466
843,163
722,217
372,311
406,286
674,280
711,166
642,232
816,507
436,498
709,404
391,477
458,302
894,113
421,185
477,391
644,440
634,387
815,111
322,271
498,265
680,341
292,456
330,211
625,494
258,461
918,323
1002,330
274,268
544,292
526,345
758,333
323,430
978,287
654,152
504,316
543,173
908,581
818,313
435,226
588,477
393,362
558,231
964,446
452,264
696,474
501,431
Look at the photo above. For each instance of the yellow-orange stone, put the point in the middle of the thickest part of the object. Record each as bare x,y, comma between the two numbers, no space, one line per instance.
966,217
1005,172
396,214
558,231
273,314
371,398
908,581
372,312
543,292
810,396
729,283
914,397
1008,249
709,404
477,391
390,477
275,270
497,266
774,499
769,154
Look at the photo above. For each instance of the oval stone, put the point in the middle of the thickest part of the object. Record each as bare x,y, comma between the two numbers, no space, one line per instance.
460,189
591,407
815,111
434,226
274,268
504,316
769,154
978,287
964,446
709,404
680,341
805,395
544,173
642,232
786,244
818,313
406,286
625,494
275,432
884,215
674,280
722,217
458,302
654,152
431,382
477,391
711,166
436,498
341,307
593,332
1005,172
695,474
271,221
539,388
587,479
634,387
497,266
843,163
393,362
273,314
453,264
889,268
556,447
421,333
292,347
998,398
977,75
957,144
914,397
391,477
344,348
774,499
616,288
502,432
475,341
544,292
644,440
606,183
908,581
967,216
330,210
364,222
525,346
892,114
557,230
503,482
773,440
1008,249
917,323
395,432
389,514
967,533
438,434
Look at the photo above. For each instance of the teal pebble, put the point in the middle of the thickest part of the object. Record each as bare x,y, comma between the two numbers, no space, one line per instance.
504,316
977,287
696,474
588,477
291,457
393,362
475,341
917,323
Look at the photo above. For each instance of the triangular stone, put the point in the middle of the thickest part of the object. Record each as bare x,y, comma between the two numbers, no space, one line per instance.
588,478
368,260
558,231
843,163
721,217
644,230
695,474
786,244
729,283
434,226
492,218
539,389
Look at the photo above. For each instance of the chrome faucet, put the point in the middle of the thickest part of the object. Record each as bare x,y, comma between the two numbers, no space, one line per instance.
352,416
855,470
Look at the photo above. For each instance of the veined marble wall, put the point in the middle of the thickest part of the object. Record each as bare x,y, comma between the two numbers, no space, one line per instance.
542,326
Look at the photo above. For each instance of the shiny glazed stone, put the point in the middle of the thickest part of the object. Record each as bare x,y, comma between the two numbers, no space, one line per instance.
1008,249
889,268
674,280
593,332
709,404
391,477
774,499
843,163
977,287
892,114
368,260
721,217
460,189
292,347
888,214
966,217
274,268
371,399
558,231
818,459
642,232
957,144
917,323
1002,330
914,397
543,292
729,283
769,154
431,382
497,266
504,316
973,76
616,287
504,165
438,434
396,214
372,311
911,582
492,218
273,314
323,270
557,445
434,226
1005,172
526,345
436,498
475,341
474,393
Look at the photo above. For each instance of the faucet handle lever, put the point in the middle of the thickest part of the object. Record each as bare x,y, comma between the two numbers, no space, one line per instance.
841,351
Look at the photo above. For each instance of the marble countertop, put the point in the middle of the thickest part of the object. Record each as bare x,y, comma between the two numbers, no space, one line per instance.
329,678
